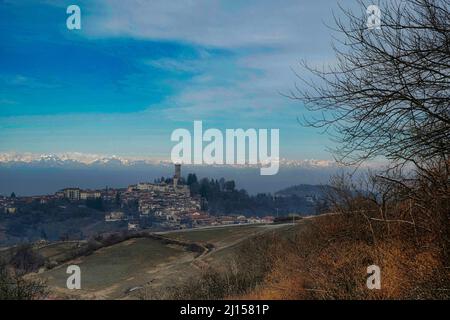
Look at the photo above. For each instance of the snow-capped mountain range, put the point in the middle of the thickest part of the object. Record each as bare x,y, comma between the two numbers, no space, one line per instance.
85,159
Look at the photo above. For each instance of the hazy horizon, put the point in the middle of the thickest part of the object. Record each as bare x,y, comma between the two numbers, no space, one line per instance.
28,180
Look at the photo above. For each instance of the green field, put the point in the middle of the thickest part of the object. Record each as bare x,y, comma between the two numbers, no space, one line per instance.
59,250
123,269
112,271
226,240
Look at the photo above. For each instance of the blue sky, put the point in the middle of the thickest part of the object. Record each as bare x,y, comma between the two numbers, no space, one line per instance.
137,70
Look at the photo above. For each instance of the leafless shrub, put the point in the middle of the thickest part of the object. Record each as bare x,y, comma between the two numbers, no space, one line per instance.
14,286
25,259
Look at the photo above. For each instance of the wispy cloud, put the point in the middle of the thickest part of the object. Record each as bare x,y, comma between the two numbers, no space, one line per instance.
20,80
266,40
138,69
225,24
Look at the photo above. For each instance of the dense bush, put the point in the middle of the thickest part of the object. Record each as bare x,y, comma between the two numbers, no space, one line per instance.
13,286
26,260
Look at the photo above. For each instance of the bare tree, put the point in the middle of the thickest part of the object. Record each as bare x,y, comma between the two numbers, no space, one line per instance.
389,92
13,285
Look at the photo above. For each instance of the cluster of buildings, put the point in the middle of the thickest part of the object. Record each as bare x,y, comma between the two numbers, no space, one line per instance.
77,194
8,205
167,204
12,205
198,219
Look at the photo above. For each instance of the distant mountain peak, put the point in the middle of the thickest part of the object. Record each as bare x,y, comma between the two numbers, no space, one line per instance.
86,159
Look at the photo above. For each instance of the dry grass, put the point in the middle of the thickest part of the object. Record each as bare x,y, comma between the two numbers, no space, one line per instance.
326,257
402,225
328,260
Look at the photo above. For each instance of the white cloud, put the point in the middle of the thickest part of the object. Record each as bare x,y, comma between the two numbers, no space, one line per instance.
267,39
174,65
225,24
264,39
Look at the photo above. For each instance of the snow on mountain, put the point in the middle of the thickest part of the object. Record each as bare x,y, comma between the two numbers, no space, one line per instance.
72,158
85,159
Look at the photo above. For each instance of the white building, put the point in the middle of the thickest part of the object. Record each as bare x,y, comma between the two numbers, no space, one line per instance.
72,194
90,194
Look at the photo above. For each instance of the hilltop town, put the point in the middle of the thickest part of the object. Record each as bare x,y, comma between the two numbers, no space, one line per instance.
162,205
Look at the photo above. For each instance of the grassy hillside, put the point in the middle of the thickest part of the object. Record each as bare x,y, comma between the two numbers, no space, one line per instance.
321,257
324,257
217,235
142,267
112,271
327,258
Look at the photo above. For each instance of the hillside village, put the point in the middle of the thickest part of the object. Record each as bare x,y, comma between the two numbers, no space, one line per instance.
163,204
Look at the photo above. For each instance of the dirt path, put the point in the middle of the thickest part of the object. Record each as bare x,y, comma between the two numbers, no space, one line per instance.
200,261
